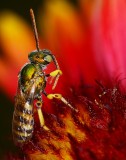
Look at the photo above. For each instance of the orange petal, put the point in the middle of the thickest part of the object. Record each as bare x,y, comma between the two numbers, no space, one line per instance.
87,7
69,35
60,14
16,38
8,79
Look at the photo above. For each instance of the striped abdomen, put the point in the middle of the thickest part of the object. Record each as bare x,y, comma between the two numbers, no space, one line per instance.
22,125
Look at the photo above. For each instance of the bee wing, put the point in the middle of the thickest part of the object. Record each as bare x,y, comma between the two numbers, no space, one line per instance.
23,98
31,93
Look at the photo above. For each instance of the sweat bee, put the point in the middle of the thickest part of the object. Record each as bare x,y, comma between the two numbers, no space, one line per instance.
31,85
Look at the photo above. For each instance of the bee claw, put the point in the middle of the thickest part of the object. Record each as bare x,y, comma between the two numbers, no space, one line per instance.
46,128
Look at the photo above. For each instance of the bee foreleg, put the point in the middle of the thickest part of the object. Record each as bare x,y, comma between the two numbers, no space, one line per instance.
55,74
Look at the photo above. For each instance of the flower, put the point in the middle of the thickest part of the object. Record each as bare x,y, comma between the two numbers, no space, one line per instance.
88,42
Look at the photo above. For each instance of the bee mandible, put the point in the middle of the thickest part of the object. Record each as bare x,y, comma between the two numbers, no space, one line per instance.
31,85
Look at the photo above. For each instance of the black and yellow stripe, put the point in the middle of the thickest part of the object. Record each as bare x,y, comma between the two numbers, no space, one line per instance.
23,122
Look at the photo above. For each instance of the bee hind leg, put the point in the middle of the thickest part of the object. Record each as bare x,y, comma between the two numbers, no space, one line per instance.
40,114
60,97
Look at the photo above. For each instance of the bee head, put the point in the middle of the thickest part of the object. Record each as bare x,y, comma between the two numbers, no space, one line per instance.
42,57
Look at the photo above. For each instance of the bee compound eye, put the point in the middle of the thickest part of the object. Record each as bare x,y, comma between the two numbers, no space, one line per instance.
48,58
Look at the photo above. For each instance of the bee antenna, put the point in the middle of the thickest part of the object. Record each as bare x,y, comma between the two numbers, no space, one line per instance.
35,29
57,67
55,61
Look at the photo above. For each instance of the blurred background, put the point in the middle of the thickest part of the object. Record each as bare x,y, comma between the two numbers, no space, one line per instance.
16,41
87,37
